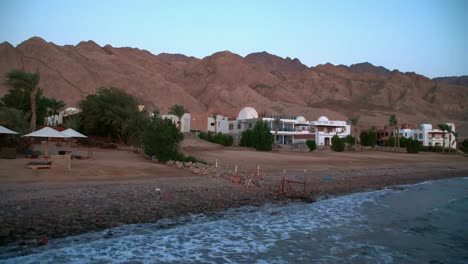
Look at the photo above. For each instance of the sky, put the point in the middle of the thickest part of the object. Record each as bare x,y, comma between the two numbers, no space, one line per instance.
429,37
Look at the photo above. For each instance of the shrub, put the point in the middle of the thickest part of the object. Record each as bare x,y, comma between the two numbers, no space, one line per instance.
311,144
219,138
113,113
338,143
368,138
464,146
412,146
161,139
259,137
349,140
181,157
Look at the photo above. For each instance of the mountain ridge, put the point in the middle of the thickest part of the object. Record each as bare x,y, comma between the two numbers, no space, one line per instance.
224,82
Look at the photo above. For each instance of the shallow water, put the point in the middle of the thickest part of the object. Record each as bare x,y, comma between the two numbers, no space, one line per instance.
423,223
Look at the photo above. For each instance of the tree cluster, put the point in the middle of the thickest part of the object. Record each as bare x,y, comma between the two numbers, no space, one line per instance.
338,144
19,99
464,146
350,140
218,138
412,145
311,144
368,138
259,137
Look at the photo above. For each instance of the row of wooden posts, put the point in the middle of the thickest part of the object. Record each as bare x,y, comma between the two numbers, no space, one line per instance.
284,187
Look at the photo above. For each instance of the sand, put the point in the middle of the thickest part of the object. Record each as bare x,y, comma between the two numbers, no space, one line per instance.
118,187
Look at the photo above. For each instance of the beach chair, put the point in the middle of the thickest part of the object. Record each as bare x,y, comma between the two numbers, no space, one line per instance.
35,165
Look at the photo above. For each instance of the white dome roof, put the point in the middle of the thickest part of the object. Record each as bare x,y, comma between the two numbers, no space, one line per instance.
300,119
323,118
247,113
426,127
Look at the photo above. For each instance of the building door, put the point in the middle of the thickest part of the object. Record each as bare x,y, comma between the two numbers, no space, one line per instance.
327,141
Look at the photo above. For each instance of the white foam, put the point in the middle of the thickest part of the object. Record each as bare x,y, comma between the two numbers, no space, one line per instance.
233,236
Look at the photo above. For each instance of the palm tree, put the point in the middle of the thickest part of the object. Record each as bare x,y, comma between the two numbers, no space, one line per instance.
354,122
444,128
393,122
215,117
276,127
29,82
179,111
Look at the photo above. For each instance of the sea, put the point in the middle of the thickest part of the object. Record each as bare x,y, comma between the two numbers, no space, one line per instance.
420,223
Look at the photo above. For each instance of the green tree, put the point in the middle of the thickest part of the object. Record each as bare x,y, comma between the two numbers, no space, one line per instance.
161,138
350,140
215,117
412,146
354,122
337,143
444,128
179,111
464,146
450,132
74,122
19,99
113,113
369,137
14,119
29,82
393,122
53,105
311,144
276,127
259,137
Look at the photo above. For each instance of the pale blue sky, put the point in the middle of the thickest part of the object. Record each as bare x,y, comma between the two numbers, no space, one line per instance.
428,37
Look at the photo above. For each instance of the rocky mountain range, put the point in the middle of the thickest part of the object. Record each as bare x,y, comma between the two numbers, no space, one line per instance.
225,82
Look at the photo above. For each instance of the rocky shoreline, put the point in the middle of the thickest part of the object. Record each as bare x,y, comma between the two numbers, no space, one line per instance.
30,214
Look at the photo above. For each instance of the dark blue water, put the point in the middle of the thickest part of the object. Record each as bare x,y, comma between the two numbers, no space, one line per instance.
423,223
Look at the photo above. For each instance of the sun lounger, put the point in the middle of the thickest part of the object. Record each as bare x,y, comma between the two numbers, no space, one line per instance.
39,165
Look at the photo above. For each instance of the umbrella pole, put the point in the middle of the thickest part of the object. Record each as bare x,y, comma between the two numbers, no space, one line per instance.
47,149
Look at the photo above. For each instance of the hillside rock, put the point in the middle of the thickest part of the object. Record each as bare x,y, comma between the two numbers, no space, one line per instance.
225,82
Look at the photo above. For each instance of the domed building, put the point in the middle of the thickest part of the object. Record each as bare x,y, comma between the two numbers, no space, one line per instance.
247,113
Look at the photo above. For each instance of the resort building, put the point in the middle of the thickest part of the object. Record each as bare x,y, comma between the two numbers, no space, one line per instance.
291,129
430,136
425,133
185,122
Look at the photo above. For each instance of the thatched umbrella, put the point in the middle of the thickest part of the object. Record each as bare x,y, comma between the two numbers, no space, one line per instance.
47,133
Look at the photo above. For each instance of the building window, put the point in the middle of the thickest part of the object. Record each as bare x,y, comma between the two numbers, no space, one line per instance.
420,136
212,124
406,134
231,126
250,125
238,126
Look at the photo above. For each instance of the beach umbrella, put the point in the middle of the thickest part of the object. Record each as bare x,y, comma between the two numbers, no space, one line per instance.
4,130
47,133
73,134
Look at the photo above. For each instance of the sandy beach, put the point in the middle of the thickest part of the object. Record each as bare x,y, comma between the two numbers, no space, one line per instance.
118,187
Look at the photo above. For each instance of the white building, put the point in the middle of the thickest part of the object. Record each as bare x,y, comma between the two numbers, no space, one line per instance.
185,123
220,125
292,129
325,129
430,136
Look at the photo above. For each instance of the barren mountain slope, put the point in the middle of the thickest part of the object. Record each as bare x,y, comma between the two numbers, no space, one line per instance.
225,82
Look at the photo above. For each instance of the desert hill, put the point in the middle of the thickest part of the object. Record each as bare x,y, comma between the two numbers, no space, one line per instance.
225,82
455,80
